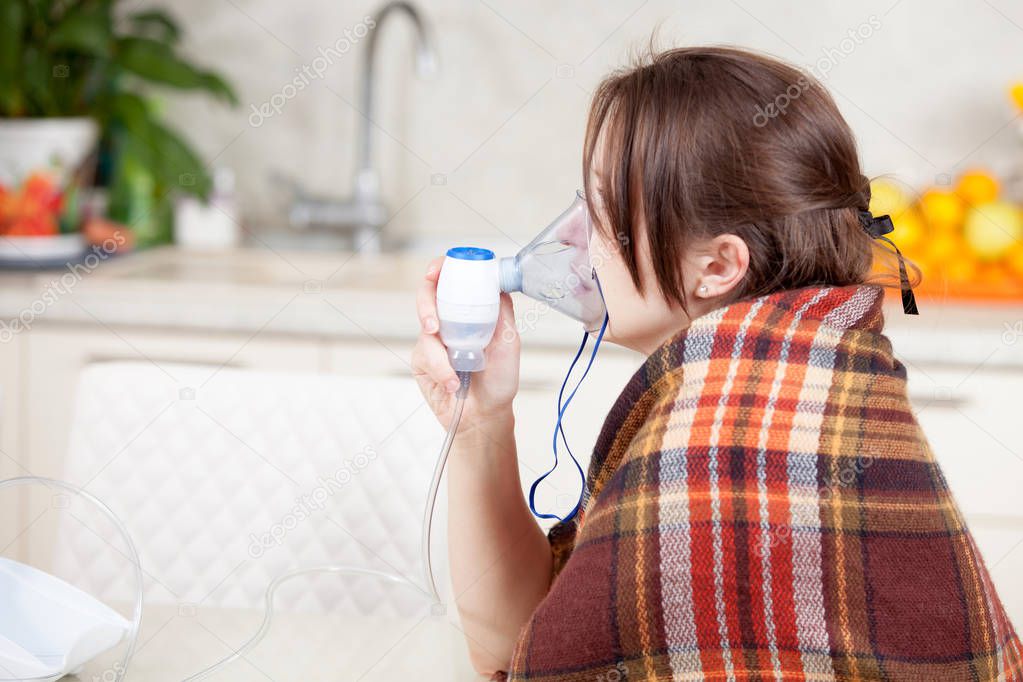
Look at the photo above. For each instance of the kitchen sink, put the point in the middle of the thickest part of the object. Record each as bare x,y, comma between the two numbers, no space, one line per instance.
309,271
306,260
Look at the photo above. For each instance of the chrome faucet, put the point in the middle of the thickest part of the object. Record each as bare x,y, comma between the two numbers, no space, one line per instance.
364,214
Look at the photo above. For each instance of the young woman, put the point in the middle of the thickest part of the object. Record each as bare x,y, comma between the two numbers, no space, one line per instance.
761,503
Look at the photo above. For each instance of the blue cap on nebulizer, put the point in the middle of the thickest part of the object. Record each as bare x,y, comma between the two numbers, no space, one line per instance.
470,253
468,303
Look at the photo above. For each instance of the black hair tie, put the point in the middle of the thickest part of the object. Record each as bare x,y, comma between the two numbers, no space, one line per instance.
877,227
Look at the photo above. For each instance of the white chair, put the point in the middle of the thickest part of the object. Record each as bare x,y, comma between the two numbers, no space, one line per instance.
227,478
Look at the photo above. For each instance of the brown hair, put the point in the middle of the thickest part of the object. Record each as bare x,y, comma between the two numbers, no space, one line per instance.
703,141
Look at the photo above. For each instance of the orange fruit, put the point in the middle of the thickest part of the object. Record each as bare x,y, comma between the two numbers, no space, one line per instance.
38,184
944,248
1014,260
992,228
977,187
927,269
1016,92
33,226
100,232
960,270
888,197
909,230
942,208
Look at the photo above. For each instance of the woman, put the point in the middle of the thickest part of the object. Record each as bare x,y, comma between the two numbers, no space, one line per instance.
761,502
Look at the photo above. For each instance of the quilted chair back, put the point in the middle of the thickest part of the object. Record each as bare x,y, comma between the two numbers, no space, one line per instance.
226,478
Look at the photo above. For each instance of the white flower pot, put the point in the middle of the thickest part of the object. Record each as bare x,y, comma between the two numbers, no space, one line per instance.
59,145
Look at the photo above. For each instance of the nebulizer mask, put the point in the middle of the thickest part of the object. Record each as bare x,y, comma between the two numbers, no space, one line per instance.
555,269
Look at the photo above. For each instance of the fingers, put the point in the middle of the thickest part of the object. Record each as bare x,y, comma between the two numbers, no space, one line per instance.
433,269
507,330
426,297
430,359
507,311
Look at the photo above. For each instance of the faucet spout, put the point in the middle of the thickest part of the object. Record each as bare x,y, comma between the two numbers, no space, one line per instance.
426,65
364,214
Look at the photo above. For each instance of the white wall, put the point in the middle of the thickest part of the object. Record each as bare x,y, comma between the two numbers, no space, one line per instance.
925,91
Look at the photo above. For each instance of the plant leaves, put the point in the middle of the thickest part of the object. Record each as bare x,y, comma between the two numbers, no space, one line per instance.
218,86
179,166
37,78
156,24
12,26
157,62
169,158
131,112
86,29
132,187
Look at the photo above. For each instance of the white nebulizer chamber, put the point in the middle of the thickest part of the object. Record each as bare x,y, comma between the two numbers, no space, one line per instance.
468,303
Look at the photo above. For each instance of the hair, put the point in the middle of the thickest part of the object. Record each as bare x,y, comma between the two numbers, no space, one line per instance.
704,141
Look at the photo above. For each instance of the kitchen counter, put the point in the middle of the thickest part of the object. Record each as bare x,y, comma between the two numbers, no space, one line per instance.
342,295
327,295
245,290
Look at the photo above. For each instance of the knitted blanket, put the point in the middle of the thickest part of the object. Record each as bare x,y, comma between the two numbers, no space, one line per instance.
762,505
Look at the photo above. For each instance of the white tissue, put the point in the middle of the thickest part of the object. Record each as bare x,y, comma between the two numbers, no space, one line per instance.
49,628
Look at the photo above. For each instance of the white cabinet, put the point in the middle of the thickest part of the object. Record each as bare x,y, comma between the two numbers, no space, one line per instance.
361,358
972,418
12,351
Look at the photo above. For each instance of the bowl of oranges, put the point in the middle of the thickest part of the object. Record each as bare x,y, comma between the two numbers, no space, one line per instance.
966,238
39,223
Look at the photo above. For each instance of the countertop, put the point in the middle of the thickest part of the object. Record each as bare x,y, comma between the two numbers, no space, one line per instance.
340,295
178,641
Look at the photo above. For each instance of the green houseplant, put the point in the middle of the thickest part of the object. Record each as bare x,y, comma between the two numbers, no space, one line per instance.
83,59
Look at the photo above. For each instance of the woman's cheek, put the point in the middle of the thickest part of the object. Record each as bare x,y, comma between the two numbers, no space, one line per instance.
616,285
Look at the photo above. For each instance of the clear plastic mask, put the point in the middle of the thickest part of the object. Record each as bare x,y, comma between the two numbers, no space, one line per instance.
555,268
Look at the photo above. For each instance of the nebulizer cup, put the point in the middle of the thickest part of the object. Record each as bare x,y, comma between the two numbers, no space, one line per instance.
468,303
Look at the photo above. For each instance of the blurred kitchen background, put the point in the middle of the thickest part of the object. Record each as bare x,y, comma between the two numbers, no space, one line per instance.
209,208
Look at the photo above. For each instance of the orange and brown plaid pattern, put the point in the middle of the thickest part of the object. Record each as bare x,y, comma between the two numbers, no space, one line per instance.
762,505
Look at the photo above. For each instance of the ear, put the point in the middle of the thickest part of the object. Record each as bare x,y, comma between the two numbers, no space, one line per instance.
721,264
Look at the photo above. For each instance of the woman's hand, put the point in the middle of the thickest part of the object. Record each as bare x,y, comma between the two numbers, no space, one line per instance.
488,520
492,390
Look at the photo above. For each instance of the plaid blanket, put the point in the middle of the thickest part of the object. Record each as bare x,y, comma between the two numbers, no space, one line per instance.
762,505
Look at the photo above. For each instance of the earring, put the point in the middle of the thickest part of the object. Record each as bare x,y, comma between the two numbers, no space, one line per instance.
703,289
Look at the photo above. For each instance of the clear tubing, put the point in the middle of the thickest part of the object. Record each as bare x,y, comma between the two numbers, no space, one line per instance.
268,597
427,555
136,621
438,473
268,608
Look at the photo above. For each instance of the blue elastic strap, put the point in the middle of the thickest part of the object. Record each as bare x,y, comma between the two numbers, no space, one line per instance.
558,429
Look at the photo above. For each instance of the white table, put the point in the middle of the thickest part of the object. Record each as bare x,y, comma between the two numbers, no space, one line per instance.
175,643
